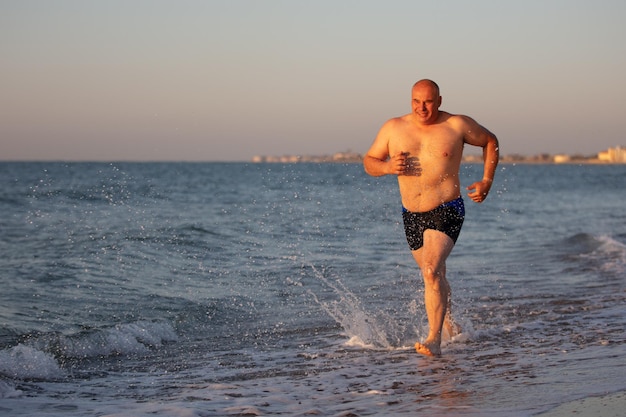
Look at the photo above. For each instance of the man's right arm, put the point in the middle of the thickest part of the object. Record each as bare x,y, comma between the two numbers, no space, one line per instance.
377,161
374,166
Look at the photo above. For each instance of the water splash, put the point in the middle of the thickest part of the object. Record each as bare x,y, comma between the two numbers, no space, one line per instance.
372,330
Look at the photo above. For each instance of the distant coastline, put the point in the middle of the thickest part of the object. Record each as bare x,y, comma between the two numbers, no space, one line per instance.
615,155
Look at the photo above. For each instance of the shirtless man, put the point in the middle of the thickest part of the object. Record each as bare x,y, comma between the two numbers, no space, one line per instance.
424,149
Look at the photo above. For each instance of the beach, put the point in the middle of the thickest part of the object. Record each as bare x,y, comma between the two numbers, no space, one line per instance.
611,405
217,289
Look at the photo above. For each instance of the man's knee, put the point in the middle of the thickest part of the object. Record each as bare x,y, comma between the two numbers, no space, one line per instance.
432,275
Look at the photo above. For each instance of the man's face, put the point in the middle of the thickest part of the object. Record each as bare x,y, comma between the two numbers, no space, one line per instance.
425,103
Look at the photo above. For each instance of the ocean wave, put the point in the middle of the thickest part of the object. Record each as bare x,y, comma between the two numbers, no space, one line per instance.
25,362
601,253
41,356
610,253
122,339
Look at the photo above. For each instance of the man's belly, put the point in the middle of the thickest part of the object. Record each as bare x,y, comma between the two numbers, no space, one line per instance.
419,196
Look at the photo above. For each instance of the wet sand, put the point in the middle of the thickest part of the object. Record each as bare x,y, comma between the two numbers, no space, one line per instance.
612,405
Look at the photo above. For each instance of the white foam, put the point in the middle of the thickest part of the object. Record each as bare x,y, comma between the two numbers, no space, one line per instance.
613,253
123,339
24,362
356,341
34,362
367,329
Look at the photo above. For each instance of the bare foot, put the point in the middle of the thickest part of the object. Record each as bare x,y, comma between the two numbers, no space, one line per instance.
427,349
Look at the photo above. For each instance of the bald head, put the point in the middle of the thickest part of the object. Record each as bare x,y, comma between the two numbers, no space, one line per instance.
425,102
427,83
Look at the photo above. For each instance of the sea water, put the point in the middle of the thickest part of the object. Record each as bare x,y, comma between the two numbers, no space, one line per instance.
216,289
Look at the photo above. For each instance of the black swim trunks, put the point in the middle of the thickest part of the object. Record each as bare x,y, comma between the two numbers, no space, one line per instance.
447,218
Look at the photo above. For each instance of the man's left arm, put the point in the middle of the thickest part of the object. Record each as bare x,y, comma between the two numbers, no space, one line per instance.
476,135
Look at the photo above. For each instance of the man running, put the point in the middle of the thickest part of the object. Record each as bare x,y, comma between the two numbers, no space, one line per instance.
424,149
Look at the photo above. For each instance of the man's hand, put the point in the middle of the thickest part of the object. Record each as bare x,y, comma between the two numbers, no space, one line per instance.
479,190
403,164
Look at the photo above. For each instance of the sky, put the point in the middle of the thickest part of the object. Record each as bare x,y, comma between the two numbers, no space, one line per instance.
225,80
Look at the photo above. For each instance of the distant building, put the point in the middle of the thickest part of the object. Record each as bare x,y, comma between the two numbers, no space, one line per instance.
561,159
614,155
347,157
472,158
344,157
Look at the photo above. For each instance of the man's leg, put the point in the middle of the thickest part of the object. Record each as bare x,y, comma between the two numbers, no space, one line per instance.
450,327
431,259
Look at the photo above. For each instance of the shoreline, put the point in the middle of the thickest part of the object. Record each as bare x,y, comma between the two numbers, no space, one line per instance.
469,161
609,405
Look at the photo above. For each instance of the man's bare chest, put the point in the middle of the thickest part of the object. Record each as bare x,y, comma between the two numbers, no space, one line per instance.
431,144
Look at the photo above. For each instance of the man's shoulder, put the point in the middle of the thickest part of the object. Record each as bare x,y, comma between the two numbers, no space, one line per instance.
396,123
455,118
399,119
456,121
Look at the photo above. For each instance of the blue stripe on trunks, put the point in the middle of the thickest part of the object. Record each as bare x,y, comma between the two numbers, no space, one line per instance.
457,203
